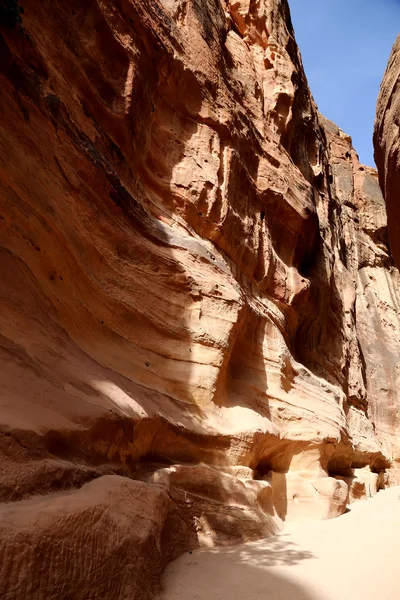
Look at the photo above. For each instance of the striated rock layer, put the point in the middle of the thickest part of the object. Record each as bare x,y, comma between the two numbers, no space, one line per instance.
387,145
199,307
387,157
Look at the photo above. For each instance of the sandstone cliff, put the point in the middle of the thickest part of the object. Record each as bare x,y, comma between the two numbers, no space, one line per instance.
199,308
387,145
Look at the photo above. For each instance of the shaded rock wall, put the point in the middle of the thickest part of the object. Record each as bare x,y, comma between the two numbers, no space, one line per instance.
386,143
197,291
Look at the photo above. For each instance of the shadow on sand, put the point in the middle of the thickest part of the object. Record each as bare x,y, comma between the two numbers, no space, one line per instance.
270,552
242,572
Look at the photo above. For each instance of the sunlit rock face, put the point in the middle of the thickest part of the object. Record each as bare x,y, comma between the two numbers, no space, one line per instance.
199,307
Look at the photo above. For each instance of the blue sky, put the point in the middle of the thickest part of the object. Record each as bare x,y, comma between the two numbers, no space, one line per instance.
345,45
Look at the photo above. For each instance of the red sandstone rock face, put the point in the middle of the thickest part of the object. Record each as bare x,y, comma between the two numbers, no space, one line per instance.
386,142
197,291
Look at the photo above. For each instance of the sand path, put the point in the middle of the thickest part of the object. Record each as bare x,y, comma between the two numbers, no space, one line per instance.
354,557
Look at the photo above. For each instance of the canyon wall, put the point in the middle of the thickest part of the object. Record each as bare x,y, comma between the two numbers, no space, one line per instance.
387,145
199,324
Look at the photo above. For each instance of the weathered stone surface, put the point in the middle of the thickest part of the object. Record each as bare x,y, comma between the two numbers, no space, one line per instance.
196,285
109,539
225,509
298,498
387,157
387,146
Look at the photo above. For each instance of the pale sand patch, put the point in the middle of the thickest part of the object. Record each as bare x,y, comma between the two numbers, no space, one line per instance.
353,557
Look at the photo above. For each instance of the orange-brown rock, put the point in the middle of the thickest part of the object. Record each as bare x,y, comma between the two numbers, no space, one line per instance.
387,156
197,291
387,145
112,537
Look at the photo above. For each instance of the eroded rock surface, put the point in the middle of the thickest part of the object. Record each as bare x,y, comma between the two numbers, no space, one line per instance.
112,537
199,307
387,157
387,145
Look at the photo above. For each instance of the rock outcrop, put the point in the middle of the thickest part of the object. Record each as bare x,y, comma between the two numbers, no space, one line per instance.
199,307
387,146
387,157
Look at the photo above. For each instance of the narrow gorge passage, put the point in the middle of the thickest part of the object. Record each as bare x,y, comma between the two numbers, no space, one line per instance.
352,557
199,310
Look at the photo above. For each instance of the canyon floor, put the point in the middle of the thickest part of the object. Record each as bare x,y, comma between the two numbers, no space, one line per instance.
353,557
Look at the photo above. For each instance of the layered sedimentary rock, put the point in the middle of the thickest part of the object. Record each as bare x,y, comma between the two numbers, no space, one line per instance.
387,157
199,307
387,145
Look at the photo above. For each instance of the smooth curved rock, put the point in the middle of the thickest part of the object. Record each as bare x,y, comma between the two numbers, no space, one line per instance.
196,286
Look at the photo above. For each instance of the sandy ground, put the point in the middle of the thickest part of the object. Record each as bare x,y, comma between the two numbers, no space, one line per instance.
354,557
